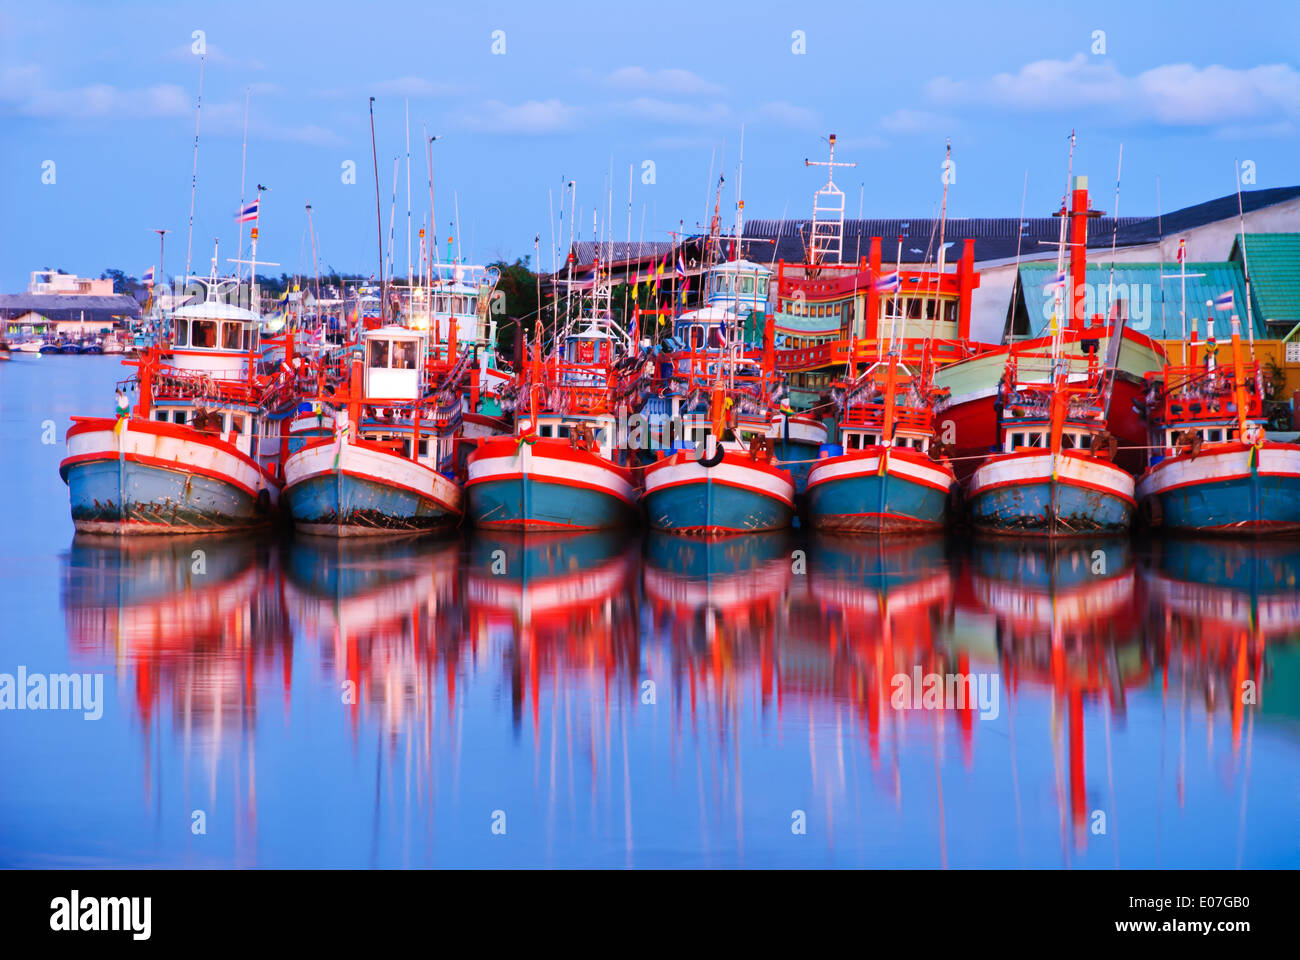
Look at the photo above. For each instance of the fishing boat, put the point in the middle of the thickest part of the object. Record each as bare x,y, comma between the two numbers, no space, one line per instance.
565,466
733,322
1213,469
724,478
888,473
973,384
201,450
1054,473
385,465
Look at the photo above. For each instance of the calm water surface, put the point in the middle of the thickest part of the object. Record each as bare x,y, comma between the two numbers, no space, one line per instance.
631,700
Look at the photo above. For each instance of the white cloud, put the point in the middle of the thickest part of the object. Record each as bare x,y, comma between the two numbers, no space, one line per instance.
23,90
1173,94
530,117
412,87
904,121
788,114
670,81
685,114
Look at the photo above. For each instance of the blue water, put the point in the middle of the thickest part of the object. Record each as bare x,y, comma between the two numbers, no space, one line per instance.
387,705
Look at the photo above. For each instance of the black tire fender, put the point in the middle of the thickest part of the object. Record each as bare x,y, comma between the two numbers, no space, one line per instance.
263,504
713,459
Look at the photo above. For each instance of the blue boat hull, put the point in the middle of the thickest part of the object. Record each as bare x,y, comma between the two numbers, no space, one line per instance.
871,503
1253,504
734,495
534,503
1049,508
121,496
339,504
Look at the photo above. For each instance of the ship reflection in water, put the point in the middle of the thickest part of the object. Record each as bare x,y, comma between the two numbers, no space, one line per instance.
601,700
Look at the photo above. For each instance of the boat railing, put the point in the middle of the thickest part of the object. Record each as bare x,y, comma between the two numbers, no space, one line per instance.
873,414
1197,393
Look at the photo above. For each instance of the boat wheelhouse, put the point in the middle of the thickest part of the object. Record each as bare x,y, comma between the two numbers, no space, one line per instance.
387,466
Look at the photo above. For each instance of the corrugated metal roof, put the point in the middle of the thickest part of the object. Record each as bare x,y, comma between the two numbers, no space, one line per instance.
1274,262
68,306
995,237
1153,307
618,251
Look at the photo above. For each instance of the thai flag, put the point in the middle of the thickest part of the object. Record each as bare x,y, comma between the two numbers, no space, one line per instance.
1223,301
1057,284
889,282
148,277
248,212
1182,251
681,266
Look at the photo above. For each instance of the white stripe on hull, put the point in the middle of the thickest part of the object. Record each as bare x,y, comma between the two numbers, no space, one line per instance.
869,465
374,465
179,453
1210,466
539,466
1081,470
777,485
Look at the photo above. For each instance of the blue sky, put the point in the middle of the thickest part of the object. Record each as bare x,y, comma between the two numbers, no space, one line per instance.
106,92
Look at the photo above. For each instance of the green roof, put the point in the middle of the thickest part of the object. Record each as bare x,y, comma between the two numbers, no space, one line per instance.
1274,261
1153,307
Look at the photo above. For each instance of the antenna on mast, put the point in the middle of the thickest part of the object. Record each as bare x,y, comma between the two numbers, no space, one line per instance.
194,175
827,236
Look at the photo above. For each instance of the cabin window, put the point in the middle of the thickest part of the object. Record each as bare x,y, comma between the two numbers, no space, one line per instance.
179,416
697,337
1214,436
745,285
424,448
471,304
1017,440
406,448
231,335
544,430
378,353
182,333
204,333
1067,441
403,355
762,287
562,431
160,415
237,424
248,338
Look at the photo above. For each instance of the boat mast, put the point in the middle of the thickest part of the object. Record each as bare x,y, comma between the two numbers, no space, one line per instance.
1245,261
943,222
379,222
409,277
194,175
243,166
